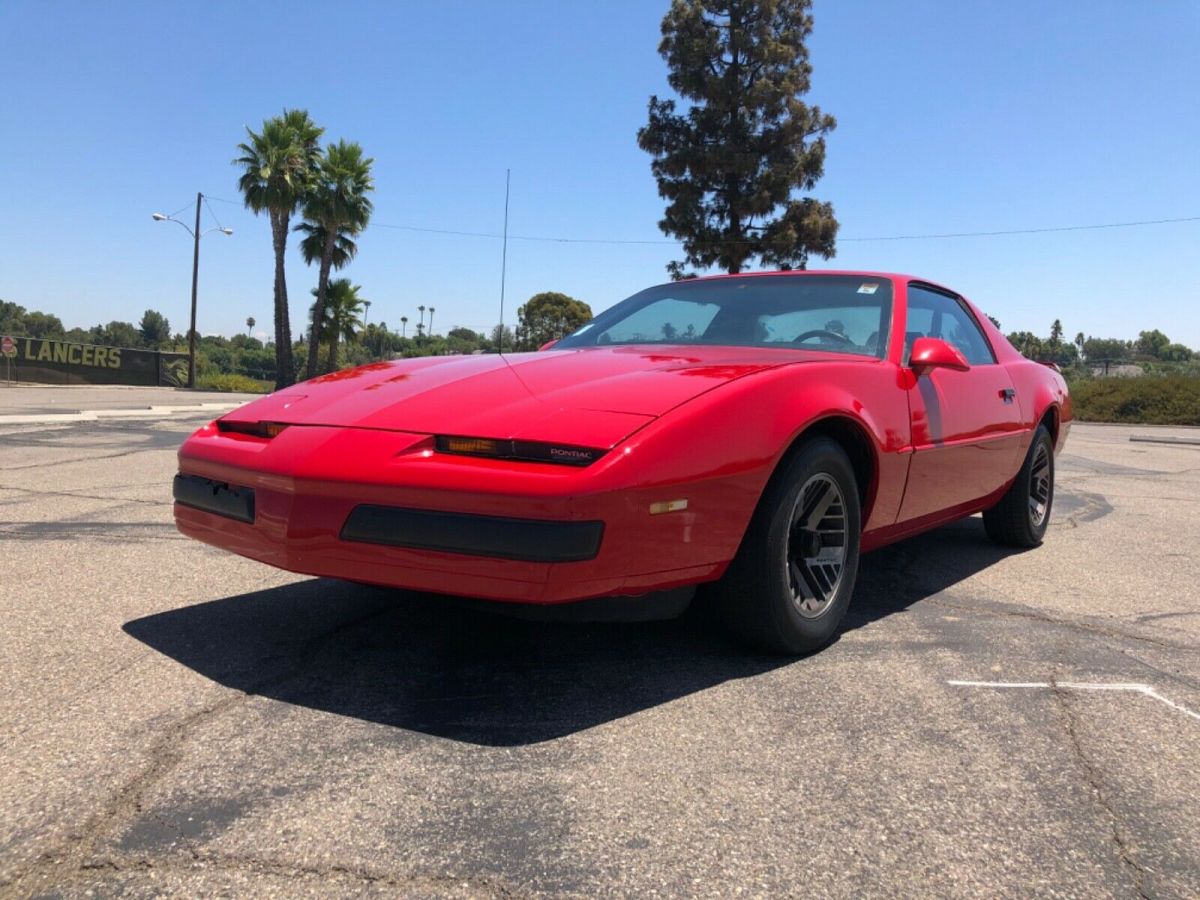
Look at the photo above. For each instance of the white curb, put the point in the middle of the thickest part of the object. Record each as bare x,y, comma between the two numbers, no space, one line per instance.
93,415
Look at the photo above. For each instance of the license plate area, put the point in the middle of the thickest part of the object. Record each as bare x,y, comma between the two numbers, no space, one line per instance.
217,497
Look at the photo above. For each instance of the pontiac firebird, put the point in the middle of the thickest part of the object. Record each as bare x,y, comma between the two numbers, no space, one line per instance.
750,434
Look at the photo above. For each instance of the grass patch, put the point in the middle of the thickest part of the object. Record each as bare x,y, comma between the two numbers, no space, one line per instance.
236,384
1149,400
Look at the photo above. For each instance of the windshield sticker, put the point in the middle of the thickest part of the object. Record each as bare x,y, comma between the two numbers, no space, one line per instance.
869,287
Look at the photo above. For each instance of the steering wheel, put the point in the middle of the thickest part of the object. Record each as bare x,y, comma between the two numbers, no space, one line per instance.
822,333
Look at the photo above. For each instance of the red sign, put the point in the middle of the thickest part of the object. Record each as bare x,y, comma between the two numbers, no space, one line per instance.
7,347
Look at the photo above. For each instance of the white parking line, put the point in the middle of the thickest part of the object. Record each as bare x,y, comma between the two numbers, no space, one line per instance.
92,415
1082,686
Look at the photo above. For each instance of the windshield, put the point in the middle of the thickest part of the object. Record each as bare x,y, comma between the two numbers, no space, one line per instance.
839,313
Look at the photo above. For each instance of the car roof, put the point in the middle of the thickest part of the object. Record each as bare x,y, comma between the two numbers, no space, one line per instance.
855,273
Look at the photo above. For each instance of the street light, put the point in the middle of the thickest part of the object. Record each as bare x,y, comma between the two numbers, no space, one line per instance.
196,234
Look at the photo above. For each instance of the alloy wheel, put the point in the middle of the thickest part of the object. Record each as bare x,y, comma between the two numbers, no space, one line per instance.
816,552
1039,485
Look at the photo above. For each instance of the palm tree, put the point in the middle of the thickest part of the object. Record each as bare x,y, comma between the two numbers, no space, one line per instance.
377,339
312,248
431,320
278,166
250,323
312,245
343,307
338,205
420,331
422,309
403,325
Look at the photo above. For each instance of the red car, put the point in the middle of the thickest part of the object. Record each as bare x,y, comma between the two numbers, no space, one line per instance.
751,433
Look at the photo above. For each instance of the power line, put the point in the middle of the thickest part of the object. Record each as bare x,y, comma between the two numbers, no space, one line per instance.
962,234
481,234
213,214
946,235
186,206
893,237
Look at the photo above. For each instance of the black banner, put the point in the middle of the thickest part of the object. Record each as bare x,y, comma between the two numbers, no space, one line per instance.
61,362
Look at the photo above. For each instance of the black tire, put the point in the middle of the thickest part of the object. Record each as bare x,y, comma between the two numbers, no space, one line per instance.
1023,513
757,598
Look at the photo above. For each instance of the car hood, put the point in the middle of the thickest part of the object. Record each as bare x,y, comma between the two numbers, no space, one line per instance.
591,397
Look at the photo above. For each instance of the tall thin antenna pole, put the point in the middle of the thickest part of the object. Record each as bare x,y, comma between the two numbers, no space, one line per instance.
503,262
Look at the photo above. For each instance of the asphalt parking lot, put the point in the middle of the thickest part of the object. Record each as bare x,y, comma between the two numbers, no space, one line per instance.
178,721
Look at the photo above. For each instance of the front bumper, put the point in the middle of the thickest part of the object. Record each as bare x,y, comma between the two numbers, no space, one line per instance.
384,508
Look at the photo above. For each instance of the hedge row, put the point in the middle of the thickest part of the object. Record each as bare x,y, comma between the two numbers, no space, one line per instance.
1148,400
238,384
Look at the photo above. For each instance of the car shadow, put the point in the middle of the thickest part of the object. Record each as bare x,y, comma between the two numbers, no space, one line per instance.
427,664
895,578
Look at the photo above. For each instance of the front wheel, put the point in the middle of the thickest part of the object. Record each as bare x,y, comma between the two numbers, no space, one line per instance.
791,582
1023,513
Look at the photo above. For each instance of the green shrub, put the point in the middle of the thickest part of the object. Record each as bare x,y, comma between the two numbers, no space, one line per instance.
238,384
1148,400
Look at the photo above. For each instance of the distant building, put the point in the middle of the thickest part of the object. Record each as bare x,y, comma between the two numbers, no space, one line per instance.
1118,370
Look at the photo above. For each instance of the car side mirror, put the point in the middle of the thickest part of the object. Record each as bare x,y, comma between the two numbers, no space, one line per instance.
547,345
934,353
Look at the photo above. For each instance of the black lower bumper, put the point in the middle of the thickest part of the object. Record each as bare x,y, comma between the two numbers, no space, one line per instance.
215,497
528,540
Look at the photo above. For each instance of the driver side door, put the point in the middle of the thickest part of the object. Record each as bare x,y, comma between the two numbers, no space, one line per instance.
967,429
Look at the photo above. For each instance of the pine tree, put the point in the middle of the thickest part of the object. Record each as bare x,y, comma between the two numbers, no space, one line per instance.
728,165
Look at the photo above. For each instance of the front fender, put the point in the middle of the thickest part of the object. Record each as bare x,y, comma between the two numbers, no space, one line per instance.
720,449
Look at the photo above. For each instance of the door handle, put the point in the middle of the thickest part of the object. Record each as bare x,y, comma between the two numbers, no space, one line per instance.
1007,395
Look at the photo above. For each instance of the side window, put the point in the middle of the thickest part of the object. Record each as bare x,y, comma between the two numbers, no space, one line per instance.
934,314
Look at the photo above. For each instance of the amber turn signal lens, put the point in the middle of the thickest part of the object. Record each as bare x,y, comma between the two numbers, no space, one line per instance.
257,429
527,451
470,445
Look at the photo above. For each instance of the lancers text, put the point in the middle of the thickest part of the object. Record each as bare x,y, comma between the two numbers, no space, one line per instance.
69,354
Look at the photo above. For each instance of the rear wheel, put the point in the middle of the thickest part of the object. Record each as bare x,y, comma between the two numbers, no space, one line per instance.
1023,513
791,582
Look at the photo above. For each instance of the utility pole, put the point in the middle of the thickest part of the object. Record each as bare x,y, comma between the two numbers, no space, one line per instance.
196,235
195,283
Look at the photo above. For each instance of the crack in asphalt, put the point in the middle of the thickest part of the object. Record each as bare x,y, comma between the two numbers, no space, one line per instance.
209,862
1084,467
1092,778
79,459
1167,615
164,755
82,692
73,494
100,532
908,567
1003,609
1175,677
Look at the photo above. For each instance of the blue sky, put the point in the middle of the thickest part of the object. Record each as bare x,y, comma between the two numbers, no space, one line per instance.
952,117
